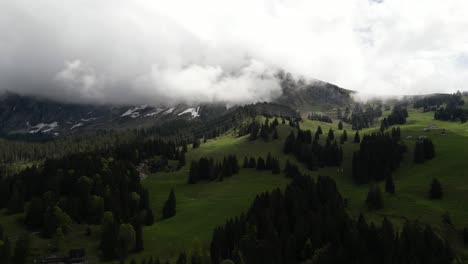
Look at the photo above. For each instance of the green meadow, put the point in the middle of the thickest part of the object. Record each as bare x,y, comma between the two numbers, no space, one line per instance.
203,206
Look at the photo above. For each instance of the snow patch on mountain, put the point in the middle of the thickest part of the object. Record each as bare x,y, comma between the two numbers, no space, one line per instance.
41,127
133,112
168,111
76,125
192,111
155,112
88,119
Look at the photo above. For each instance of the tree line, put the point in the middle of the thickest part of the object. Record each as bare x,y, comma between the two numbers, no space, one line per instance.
318,117
378,156
308,223
309,151
207,169
268,163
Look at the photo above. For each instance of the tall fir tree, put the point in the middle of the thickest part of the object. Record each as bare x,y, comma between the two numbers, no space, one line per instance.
169,209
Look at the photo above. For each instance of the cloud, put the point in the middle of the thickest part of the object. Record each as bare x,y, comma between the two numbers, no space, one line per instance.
137,51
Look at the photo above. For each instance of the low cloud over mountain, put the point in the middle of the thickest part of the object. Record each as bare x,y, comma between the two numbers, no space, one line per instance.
216,51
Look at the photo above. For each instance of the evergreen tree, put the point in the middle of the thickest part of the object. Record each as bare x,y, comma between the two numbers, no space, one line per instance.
126,240
319,130
252,163
357,138
465,236
182,259
389,185
428,146
196,143
21,251
345,135
246,162
418,152
137,226
193,173
109,235
340,125
436,190
149,217
275,133
374,199
181,160
169,209
331,135
260,163
289,143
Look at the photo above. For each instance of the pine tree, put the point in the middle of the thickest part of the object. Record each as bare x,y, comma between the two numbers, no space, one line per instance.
340,125
246,162
428,146
419,152
357,138
275,133
331,135
108,242
196,143
181,160
389,185
193,173
149,217
169,209
436,190
252,163
289,143
374,199
319,130
21,251
182,259
260,163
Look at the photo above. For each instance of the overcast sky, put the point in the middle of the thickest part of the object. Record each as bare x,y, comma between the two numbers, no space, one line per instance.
151,51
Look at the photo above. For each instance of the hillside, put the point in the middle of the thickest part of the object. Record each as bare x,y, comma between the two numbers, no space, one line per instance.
203,206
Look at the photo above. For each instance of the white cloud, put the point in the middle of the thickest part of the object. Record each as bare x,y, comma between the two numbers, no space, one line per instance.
142,51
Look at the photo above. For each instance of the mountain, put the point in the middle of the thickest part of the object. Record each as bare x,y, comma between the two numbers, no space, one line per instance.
312,95
40,118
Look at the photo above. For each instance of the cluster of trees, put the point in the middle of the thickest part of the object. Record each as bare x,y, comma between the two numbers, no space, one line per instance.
256,130
436,100
308,223
363,118
318,117
84,188
397,117
378,156
118,238
451,113
207,169
423,150
309,151
16,254
269,163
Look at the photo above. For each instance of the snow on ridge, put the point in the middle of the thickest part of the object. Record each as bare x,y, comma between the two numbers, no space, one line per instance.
88,119
38,128
76,125
192,111
168,111
133,112
155,112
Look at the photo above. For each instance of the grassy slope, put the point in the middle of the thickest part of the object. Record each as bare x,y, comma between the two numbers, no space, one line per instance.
203,206
193,228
